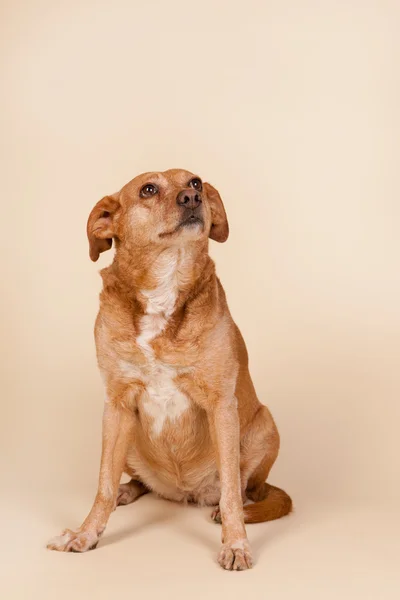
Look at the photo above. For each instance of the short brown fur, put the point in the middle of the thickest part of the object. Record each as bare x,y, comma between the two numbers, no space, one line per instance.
164,327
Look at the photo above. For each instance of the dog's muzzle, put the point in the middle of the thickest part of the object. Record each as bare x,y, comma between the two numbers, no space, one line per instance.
192,210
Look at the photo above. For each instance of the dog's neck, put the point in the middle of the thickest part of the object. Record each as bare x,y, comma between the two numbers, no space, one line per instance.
161,280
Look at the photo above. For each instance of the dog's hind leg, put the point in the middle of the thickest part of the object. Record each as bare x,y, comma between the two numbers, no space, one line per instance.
259,452
259,447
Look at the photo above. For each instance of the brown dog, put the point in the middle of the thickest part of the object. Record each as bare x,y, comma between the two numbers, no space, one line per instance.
181,416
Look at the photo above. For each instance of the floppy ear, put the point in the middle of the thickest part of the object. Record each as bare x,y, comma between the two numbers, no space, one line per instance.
100,225
219,223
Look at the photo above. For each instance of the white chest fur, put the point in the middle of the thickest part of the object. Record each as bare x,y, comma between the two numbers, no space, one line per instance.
163,400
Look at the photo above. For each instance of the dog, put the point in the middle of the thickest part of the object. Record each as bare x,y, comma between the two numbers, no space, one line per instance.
181,416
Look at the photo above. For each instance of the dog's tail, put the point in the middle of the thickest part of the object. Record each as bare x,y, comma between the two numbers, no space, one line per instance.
272,503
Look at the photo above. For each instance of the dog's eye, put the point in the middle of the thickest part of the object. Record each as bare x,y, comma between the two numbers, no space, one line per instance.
148,190
196,184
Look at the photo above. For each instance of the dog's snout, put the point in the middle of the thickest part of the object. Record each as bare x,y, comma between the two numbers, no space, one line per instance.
189,198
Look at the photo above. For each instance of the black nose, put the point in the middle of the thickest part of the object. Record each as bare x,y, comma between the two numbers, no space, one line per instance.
189,198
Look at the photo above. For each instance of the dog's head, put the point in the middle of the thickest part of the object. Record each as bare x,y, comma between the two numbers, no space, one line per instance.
173,207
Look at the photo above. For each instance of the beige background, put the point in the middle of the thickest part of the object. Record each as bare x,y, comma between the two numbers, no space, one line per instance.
292,110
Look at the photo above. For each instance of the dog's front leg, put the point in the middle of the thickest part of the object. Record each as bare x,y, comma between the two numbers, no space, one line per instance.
117,428
225,431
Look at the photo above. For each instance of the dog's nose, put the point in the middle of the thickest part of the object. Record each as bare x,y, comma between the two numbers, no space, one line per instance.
189,198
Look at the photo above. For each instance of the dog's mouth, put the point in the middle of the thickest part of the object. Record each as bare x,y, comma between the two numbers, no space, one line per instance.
190,221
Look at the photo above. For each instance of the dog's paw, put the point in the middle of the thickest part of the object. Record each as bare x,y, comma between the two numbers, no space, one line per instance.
71,541
129,492
216,515
126,494
236,556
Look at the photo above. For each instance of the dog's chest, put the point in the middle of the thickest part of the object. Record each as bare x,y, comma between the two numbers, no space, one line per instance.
162,402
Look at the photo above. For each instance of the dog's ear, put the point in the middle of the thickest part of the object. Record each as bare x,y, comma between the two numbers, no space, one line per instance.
219,223
100,226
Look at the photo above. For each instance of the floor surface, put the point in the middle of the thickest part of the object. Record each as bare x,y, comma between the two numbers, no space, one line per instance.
168,550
